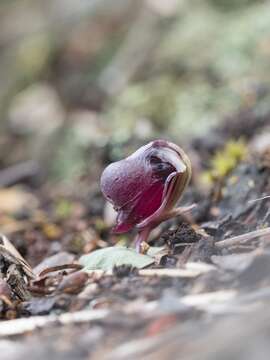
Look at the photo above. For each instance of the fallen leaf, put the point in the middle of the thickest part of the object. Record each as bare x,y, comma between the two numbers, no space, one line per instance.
58,259
106,259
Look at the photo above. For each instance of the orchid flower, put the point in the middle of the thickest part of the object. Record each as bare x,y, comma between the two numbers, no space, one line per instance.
145,187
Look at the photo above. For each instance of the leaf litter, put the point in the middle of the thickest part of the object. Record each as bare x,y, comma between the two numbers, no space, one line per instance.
63,276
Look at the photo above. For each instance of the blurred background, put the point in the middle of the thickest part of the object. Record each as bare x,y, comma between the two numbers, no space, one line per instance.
86,82
80,78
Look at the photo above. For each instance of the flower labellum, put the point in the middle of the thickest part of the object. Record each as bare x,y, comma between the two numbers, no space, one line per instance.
145,187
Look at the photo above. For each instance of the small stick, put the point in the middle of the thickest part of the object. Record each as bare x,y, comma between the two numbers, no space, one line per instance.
176,273
240,239
180,273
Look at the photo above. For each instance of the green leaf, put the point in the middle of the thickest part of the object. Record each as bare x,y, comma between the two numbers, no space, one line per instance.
155,250
106,259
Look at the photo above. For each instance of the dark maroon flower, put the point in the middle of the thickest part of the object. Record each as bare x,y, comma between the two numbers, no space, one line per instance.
145,186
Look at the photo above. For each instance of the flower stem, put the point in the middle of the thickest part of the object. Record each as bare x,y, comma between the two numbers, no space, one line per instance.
140,237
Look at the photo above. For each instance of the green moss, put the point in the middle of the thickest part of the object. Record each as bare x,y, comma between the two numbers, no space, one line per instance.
225,160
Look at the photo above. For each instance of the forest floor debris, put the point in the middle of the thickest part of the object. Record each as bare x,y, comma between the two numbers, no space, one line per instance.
90,296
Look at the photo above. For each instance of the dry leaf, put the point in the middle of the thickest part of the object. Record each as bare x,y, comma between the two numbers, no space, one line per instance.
11,254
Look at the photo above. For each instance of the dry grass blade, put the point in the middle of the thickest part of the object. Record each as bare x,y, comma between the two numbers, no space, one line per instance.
259,199
241,239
